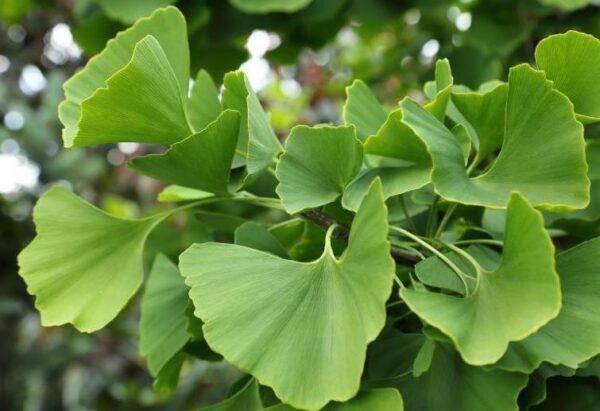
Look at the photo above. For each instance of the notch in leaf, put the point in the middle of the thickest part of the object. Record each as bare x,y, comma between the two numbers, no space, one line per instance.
310,348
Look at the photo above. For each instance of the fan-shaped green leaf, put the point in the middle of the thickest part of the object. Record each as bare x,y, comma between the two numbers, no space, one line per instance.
84,265
362,110
269,6
451,385
540,130
311,348
140,103
381,399
574,336
203,104
172,61
162,323
509,303
318,163
572,61
201,161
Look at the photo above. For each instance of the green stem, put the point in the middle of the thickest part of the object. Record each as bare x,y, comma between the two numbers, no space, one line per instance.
431,217
445,220
459,273
479,241
407,214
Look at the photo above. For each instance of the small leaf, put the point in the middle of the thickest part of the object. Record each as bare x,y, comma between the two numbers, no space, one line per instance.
451,385
571,60
84,265
362,110
246,399
168,377
162,324
318,163
540,129
256,236
395,180
485,112
574,336
173,64
175,193
202,161
435,273
297,326
509,303
203,104
263,145
234,97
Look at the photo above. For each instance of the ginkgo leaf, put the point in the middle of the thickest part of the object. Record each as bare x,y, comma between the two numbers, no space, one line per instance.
254,235
164,61
316,166
509,303
84,264
541,129
162,324
379,399
246,399
486,114
574,335
362,110
269,6
396,140
203,104
175,193
451,385
571,60
141,102
263,144
435,273
234,97
168,377
202,161
311,348
395,180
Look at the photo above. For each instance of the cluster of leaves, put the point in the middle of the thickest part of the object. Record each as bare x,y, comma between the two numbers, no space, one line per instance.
385,308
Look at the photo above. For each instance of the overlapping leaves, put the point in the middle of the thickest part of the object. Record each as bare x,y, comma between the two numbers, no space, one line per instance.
299,324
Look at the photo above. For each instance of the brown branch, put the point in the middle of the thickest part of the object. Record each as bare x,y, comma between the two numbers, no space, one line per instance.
323,221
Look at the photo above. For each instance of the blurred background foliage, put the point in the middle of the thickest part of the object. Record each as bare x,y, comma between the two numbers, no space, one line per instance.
299,55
